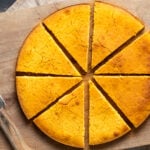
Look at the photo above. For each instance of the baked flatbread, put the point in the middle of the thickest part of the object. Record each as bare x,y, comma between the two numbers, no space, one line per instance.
105,122
71,27
131,94
54,95
113,26
40,54
36,93
64,121
135,58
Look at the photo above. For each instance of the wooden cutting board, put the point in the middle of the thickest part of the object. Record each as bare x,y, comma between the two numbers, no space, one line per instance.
14,27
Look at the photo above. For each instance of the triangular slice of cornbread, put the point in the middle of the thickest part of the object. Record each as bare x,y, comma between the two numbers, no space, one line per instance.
40,54
135,58
130,93
71,27
64,121
105,122
113,26
36,93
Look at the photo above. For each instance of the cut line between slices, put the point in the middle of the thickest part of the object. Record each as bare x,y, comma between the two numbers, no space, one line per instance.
72,60
84,73
56,100
119,49
122,74
19,73
113,104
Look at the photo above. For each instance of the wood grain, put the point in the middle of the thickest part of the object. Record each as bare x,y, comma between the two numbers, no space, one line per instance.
11,132
14,27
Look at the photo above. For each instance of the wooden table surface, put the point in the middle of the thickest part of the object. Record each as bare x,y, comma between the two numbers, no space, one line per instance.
14,27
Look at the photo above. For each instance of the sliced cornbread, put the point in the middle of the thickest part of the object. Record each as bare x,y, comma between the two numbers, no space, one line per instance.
64,121
36,93
113,26
40,54
105,122
133,59
71,27
130,93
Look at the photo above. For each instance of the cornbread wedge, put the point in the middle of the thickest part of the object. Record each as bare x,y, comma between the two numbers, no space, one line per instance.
105,122
131,94
40,54
113,26
134,58
36,93
64,121
71,26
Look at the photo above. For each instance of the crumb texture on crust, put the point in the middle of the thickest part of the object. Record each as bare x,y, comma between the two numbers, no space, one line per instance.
131,94
40,54
105,122
71,27
36,93
78,46
113,27
64,121
135,58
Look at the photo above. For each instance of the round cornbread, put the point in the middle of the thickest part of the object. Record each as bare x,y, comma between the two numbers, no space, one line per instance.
60,76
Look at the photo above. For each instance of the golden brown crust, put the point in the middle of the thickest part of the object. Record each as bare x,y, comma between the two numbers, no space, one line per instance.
105,123
112,28
43,54
130,93
38,52
71,27
36,93
134,59
64,121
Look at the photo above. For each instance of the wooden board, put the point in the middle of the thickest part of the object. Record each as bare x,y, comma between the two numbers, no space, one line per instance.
14,27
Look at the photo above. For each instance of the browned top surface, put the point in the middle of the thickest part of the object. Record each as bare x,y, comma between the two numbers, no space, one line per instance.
14,27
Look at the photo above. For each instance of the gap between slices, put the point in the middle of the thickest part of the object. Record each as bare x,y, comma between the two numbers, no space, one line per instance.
132,59
112,103
86,76
19,73
64,121
118,50
104,119
89,53
89,59
122,74
113,26
65,51
86,115
71,27
49,92
57,100
130,40
127,94
41,54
